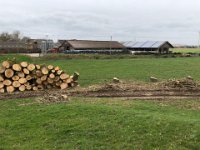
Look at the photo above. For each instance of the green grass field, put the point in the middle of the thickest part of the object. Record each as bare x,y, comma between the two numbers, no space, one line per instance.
186,50
94,71
100,124
89,123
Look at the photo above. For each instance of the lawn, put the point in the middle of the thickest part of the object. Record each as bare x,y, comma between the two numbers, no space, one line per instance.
85,123
94,71
186,50
100,124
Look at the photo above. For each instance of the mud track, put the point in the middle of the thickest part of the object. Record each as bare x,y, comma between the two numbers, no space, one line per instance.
126,89
136,94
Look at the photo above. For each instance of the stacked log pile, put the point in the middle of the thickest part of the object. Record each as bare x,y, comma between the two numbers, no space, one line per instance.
26,76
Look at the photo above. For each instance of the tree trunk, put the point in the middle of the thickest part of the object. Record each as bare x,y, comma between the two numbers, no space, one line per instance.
16,84
15,78
63,86
75,76
17,67
7,82
22,88
50,67
1,78
10,89
21,74
31,67
44,70
1,85
6,64
9,73
2,69
26,71
22,80
64,76
52,76
24,64
2,90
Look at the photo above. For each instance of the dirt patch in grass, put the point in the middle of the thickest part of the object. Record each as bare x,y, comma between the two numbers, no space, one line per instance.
138,90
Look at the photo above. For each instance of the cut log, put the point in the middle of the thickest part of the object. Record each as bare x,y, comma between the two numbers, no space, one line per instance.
58,83
52,76
24,64
35,88
31,67
21,74
59,72
45,70
17,67
38,67
40,87
56,68
9,73
69,80
2,90
64,76
50,81
53,71
1,78
6,64
63,86
22,88
26,71
28,87
22,80
75,76
28,77
10,89
2,69
1,85
50,67
57,78
44,78
39,81
27,84
73,84
15,78
7,82
38,73
16,84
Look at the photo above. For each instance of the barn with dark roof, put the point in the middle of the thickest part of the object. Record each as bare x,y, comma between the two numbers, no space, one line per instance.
91,45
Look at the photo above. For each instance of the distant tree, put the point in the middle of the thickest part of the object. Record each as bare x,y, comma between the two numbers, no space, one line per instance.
14,36
25,39
5,36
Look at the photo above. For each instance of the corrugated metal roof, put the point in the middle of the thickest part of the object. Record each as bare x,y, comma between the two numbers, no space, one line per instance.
86,44
146,44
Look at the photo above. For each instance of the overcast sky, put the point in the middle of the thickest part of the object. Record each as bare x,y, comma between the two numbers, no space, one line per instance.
177,21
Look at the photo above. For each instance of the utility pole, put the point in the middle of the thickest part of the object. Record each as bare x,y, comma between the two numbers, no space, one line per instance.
110,43
199,41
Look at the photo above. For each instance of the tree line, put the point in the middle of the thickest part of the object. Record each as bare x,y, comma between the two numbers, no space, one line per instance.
15,36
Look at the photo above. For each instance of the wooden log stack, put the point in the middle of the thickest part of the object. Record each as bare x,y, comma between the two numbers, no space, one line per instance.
25,76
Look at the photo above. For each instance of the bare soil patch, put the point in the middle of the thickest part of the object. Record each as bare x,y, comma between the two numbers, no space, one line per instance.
171,89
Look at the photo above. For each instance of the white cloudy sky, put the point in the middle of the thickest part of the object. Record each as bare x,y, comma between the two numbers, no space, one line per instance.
175,20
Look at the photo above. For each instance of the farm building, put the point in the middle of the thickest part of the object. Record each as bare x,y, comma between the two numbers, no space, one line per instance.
89,46
16,47
149,46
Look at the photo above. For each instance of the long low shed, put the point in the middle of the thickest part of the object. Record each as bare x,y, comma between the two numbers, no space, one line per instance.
149,46
90,45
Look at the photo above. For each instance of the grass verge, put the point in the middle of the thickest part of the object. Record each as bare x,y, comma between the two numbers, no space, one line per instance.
100,124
